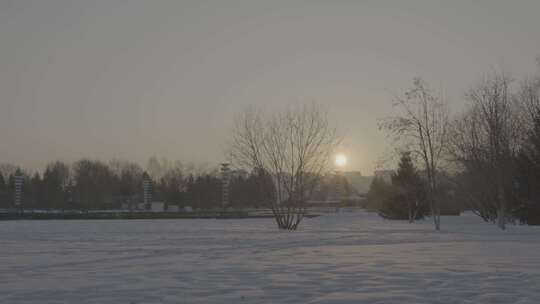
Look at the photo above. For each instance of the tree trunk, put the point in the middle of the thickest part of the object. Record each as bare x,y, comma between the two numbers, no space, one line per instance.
288,220
501,221
437,215
501,210
435,210
415,213
412,213
501,216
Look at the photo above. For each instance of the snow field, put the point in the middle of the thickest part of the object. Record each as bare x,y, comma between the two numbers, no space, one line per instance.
337,258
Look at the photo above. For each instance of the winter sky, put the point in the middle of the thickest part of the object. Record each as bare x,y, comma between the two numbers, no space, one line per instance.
131,79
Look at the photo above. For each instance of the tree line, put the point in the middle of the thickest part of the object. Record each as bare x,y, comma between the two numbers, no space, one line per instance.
485,158
97,185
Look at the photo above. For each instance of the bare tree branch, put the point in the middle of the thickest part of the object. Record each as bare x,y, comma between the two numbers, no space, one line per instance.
294,147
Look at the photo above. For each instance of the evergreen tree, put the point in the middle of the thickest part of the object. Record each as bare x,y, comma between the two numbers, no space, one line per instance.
4,193
35,191
190,192
10,191
94,185
2,182
528,180
379,192
11,182
240,195
408,195
55,179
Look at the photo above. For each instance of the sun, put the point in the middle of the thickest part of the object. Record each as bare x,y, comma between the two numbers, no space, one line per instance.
340,160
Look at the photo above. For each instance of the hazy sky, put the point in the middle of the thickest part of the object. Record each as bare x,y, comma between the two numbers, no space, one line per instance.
131,79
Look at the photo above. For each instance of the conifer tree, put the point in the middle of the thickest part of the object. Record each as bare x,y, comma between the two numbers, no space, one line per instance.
408,199
379,192
2,182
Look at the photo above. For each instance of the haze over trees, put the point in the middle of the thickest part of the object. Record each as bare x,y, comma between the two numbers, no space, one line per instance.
486,159
96,185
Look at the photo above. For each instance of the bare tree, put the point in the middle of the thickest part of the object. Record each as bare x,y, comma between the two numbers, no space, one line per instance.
7,169
421,127
485,141
528,100
293,147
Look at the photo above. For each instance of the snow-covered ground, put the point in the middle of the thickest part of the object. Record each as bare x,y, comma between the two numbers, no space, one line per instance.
337,258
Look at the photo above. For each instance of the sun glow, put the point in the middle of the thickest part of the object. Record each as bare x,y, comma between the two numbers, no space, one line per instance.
340,160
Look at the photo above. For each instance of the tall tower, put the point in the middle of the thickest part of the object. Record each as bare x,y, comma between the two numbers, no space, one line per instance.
18,190
147,191
225,180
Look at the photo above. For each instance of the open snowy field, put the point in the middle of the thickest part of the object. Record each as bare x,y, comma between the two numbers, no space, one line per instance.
337,258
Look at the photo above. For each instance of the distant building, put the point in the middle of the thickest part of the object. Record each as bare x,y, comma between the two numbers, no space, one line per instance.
359,182
239,173
152,206
173,208
157,207
187,209
386,175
